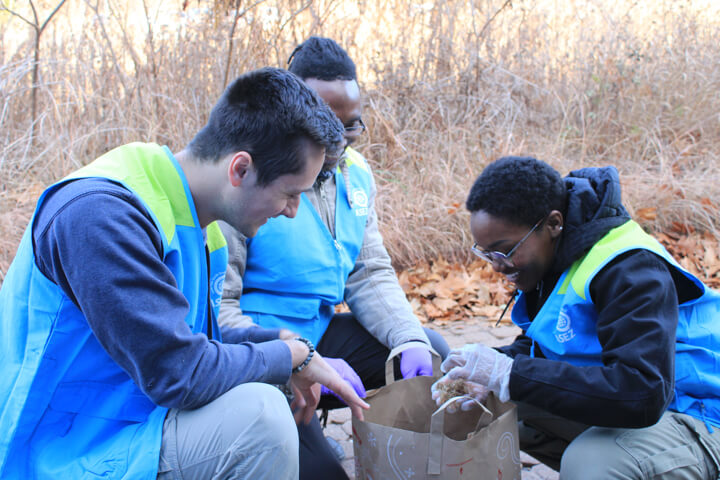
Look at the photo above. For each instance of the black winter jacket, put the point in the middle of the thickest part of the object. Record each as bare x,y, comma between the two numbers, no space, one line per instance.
636,297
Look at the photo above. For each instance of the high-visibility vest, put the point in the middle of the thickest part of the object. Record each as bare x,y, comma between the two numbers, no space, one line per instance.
67,410
565,327
296,271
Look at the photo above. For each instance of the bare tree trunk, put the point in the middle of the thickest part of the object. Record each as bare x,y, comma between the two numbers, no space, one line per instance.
38,29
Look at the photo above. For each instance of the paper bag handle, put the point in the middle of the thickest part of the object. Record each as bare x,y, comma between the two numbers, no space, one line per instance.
390,366
437,424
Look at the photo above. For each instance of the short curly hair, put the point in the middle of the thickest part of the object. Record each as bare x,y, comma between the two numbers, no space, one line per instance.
521,190
321,58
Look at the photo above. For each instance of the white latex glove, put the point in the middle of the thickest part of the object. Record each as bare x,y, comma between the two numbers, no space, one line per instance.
481,365
475,393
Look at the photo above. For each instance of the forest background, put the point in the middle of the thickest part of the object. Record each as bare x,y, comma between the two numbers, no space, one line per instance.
449,85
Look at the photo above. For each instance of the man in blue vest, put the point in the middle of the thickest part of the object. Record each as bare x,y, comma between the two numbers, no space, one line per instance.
293,274
113,364
616,371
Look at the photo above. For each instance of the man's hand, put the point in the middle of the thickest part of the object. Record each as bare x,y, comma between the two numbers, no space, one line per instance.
305,385
348,374
306,389
286,334
416,361
481,365
305,400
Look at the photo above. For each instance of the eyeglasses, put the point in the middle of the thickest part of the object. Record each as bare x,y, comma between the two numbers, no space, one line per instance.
357,127
503,259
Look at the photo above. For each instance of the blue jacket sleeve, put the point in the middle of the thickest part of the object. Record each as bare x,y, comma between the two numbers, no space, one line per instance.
249,334
96,241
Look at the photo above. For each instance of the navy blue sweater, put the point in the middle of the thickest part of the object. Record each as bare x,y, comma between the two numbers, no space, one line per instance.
97,242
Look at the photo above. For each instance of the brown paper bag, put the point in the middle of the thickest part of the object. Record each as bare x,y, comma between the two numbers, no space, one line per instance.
405,436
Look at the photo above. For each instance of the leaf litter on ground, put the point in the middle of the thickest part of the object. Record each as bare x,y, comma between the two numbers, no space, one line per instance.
442,293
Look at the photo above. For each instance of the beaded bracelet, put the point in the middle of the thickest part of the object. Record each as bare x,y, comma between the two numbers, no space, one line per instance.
311,352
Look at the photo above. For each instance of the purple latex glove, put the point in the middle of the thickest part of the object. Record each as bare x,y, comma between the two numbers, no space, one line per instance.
416,361
348,374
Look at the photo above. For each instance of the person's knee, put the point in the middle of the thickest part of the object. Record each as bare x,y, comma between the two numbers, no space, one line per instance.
595,454
275,416
438,343
578,460
248,429
267,414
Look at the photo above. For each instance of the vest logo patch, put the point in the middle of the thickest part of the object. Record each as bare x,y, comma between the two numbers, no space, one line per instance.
360,198
216,288
360,202
563,329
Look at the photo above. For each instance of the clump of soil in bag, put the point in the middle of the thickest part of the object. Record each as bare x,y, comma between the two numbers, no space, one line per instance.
453,388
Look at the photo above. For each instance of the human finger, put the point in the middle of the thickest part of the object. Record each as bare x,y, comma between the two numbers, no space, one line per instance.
312,398
298,404
454,359
345,391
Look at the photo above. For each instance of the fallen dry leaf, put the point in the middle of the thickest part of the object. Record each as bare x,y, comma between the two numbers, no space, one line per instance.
646,214
444,304
443,292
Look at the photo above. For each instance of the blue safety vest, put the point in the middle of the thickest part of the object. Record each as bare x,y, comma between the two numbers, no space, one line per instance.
67,410
565,326
296,271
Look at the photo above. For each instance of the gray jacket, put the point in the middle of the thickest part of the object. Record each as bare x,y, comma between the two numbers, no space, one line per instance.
372,290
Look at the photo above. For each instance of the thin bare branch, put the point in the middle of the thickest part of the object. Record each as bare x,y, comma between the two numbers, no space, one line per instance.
16,14
237,16
487,24
52,14
103,30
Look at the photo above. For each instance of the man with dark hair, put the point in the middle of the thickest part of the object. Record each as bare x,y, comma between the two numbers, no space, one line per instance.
616,371
113,362
281,282
322,59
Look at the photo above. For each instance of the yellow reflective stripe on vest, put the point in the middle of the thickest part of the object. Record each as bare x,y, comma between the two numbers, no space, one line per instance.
566,283
136,165
627,236
215,239
353,157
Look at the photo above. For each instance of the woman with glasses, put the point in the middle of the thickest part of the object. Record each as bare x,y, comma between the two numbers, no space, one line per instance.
616,372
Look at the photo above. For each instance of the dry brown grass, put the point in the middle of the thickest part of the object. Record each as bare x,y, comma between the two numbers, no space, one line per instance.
450,85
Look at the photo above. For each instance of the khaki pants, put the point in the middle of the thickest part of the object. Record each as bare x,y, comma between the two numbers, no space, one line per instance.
677,447
246,433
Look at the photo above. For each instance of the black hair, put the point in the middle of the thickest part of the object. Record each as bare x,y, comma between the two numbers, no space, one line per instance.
321,58
271,114
521,190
